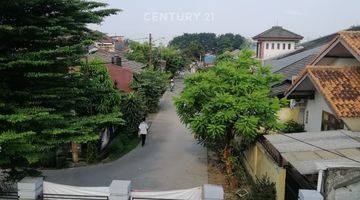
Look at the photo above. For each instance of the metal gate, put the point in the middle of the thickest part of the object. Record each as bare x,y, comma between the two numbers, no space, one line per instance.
139,198
73,197
9,195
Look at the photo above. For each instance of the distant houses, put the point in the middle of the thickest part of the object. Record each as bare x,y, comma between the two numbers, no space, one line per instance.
111,51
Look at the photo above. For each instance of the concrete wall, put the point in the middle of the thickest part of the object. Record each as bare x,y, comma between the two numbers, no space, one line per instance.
270,52
342,184
353,124
313,112
259,164
288,114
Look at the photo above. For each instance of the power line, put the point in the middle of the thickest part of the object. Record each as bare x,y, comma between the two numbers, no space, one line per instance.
338,154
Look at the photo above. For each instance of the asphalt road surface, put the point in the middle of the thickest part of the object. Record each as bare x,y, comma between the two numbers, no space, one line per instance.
171,158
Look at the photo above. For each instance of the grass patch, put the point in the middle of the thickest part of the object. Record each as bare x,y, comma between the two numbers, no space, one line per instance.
120,146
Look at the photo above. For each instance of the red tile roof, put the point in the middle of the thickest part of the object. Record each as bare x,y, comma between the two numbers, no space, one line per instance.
339,85
122,76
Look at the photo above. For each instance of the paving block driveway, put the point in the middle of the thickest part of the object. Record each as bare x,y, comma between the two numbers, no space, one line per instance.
171,158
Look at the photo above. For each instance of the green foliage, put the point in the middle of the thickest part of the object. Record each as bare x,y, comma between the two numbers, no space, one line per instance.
263,189
133,109
196,44
227,100
122,144
151,85
92,152
292,127
140,53
174,59
44,102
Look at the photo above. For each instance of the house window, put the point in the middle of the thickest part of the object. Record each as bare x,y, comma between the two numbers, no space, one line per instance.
289,46
278,46
330,122
267,45
284,46
272,46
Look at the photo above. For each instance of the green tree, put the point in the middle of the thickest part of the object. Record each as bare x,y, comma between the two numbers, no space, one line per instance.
227,101
40,91
133,109
196,44
151,84
140,53
174,59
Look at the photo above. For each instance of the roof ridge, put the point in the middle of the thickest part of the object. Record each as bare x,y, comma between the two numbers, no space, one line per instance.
290,34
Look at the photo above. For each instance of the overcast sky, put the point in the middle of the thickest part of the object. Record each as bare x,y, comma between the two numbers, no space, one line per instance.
169,18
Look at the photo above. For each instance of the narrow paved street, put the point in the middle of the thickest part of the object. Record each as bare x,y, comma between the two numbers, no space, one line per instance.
171,159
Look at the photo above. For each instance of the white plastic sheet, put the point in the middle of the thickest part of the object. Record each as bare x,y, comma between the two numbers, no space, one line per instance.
189,194
58,189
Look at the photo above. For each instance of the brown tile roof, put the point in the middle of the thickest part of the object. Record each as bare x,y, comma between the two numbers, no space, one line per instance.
352,38
339,85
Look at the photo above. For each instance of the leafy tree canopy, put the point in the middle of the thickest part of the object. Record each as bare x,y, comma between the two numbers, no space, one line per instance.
228,100
195,44
44,101
174,58
151,84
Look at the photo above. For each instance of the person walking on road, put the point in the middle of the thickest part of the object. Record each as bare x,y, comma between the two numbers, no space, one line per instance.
172,85
143,130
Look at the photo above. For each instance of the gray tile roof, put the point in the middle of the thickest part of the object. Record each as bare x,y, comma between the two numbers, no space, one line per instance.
278,32
106,56
295,68
280,88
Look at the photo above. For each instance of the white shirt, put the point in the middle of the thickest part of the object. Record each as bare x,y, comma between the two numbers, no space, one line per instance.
143,128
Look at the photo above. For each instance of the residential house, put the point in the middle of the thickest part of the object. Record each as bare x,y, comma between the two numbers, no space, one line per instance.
329,88
107,44
275,41
291,64
325,160
121,70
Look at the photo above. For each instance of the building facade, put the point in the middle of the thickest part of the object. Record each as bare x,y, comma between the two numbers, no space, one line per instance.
275,41
329,88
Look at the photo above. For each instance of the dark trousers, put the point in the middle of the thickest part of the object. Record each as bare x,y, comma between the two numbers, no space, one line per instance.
143,138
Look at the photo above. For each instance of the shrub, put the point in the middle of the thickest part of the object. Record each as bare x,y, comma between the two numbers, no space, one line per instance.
121,145
263,189
92,152
133,109
293,127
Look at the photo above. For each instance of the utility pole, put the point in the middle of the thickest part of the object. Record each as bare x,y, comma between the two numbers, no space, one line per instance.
150,50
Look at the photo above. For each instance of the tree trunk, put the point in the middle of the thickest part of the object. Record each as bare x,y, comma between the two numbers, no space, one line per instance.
227,156
75,152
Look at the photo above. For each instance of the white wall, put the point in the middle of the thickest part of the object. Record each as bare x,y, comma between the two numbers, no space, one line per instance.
315,108
270,52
